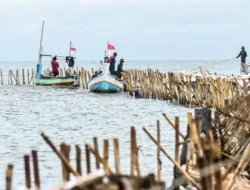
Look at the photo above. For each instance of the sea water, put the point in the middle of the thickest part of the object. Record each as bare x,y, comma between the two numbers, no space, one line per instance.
74,116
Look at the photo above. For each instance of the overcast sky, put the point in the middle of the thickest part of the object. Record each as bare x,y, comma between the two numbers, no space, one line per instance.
139,29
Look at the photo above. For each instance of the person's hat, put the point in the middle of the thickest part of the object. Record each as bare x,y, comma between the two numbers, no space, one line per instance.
121,60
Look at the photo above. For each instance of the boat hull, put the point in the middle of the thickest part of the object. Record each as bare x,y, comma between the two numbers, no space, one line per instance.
54,81
105,83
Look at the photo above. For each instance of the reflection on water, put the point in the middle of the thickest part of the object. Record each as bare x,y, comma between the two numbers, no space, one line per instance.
74,116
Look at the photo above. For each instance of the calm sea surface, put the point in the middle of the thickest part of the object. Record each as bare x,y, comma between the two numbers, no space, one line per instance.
75,116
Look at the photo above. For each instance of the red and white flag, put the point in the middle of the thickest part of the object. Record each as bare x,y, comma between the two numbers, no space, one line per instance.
72,49
111,49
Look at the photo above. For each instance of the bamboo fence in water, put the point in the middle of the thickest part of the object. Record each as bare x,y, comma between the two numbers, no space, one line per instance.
208,165
199,91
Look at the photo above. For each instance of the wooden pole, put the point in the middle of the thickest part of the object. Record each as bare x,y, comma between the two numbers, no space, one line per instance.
117,156
132,151
60,155
88,166
177,154
173,125
65,150
188,177
244,161
27,171
78,160
158,151
177,150
9,174
101,160
23,75
1,76
106,156
36,169
96,152
28,76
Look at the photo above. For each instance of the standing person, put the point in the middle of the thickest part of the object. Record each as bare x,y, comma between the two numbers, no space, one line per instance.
243,55
120,69
112,61
55,66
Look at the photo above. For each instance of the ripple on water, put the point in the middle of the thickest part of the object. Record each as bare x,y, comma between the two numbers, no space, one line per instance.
75,116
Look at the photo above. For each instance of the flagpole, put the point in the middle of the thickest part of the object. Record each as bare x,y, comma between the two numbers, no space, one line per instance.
107,46
70,48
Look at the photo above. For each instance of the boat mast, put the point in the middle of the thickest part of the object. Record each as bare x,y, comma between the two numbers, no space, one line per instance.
40,48
70,48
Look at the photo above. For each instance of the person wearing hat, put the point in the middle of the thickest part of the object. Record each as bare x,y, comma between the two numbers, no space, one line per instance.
120,69
55,66
112,61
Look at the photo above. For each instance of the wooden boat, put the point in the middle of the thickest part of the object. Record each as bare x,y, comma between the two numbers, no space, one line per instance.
42,79
105,82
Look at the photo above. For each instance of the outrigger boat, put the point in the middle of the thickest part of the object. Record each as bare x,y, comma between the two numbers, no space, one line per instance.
42,79
105,82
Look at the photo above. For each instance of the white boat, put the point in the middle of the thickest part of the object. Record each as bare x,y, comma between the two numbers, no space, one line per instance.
105,82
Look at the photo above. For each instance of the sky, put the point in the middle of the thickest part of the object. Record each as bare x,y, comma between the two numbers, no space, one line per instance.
139,29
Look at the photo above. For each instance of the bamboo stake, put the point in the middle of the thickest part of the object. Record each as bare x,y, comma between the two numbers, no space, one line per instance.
28,76
117,156
36,169
88,166
158,152
100,159
65,150
188,177
23,75
173,125
78,160
106,156
96,153
33,72
1,76
61,156
27,171
241,166
9,174
132,151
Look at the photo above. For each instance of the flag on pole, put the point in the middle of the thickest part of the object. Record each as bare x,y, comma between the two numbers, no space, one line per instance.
111,49
72,49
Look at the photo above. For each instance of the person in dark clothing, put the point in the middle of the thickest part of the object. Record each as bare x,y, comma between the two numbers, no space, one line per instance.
55,66
120,69
70,60
242,54
112,61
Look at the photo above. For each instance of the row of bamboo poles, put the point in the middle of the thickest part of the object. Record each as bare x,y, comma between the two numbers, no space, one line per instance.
27,76
101,162
188,91
198,92
207,167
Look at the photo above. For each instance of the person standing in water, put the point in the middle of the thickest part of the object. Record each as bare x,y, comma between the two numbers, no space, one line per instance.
243,55
55,66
